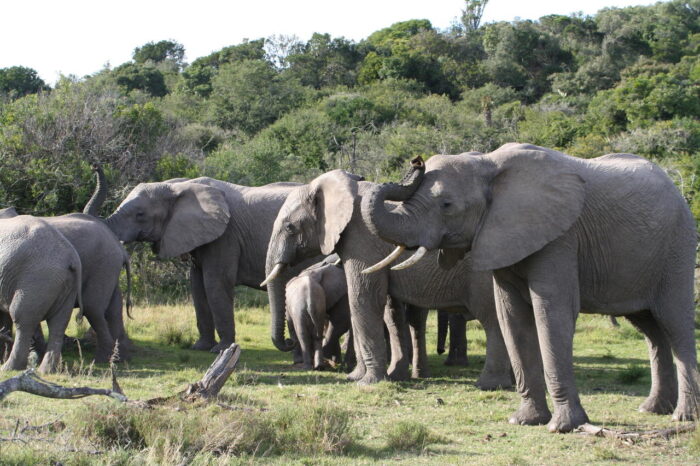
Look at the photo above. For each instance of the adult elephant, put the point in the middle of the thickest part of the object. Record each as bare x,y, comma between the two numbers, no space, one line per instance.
610,235
224,227
102,257
40,277
324,216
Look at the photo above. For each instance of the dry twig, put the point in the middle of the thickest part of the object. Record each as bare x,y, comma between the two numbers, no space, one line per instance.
633,437
30,382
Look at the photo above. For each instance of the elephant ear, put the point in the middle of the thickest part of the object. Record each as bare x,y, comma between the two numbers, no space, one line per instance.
199,215
334,197
536,196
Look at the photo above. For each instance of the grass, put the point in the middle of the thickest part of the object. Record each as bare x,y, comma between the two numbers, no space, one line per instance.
272,413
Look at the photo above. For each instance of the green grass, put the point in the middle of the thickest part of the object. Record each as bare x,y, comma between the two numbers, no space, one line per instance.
270,412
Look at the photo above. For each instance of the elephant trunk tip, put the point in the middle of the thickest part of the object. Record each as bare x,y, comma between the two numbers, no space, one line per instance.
285,345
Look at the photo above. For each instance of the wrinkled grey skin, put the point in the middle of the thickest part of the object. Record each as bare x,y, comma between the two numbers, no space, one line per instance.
40,276
317,298
324,216
224,227
102,257
610,235
456,324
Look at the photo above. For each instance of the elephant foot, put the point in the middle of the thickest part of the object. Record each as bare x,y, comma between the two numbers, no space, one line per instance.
49,364
357,373
457,360
398,374
222,345
686,411
529,415
566,418
420,373
203,345
488,381
658,405
370,379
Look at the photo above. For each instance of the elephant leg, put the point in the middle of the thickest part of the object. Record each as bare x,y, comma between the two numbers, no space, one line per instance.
554,290
220,296
359,370
19,354
442,327
115,322
517,322
417,319
664,386
496,373
350,361
297,355
57,324
38,342
205,322
337,325
675,316
395,321
457,355
105,343
319,362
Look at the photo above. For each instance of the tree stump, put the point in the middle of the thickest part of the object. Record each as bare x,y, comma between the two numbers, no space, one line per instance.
214,379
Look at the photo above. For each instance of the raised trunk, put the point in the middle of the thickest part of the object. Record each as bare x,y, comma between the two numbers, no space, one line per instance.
394,226
98,197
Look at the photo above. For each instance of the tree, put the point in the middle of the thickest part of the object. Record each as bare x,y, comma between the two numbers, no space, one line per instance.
18,81
131,76
472,13
158,52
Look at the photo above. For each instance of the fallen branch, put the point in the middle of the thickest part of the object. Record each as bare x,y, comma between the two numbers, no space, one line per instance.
633,437
30,382
216,376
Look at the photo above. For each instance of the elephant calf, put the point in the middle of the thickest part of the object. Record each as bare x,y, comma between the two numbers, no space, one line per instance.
316,299
40,279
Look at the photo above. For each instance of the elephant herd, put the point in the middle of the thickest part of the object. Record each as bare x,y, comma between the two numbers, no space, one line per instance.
521,239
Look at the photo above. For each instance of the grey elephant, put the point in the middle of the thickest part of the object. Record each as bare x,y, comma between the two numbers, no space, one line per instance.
324,216
102,257
317,306
40,277
224,227
610,235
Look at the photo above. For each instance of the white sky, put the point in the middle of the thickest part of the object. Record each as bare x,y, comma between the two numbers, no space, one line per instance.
80,36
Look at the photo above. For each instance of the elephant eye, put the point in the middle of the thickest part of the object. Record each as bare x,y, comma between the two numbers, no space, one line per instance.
289,228
446,204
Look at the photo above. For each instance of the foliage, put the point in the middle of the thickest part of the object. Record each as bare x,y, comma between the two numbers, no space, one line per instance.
162,51
18,81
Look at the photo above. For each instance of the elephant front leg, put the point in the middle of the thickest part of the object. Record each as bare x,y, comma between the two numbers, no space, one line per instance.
457,355
205,321
366,311
220,296
496,373
520,335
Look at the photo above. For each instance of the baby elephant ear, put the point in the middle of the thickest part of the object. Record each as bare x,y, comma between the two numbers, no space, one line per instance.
199,216
536,197
334,197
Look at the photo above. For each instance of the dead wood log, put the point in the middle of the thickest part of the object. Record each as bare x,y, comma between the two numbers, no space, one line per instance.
30,382
633,437
214,379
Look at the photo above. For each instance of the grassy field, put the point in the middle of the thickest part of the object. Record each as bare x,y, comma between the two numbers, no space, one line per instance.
272,413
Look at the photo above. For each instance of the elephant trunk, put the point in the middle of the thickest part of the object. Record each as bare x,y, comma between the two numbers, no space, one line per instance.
98,197
397,225
276,296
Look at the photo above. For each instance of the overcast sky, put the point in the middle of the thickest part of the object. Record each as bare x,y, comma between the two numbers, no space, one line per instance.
80,37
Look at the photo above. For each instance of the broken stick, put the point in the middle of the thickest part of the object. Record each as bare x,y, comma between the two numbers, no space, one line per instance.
217,374
30,382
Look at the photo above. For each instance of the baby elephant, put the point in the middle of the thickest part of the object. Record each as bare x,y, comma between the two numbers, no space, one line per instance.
314,298
40,277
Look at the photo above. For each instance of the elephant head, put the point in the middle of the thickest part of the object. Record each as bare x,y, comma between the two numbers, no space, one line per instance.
309,223
176,217
501,206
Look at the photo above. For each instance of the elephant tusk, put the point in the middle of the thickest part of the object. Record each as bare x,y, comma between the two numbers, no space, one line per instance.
386,261
418,255
274,274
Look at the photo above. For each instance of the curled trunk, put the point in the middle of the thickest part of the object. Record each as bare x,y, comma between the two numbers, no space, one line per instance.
393,225
98,197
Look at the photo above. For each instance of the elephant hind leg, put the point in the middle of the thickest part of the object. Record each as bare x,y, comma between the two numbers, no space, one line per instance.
675,315
664,386
57,323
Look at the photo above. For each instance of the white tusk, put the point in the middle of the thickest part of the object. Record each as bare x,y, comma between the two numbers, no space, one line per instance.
386,261
337,263
275,272
418,255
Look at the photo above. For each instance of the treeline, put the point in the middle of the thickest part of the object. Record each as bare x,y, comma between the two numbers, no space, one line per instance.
277,109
